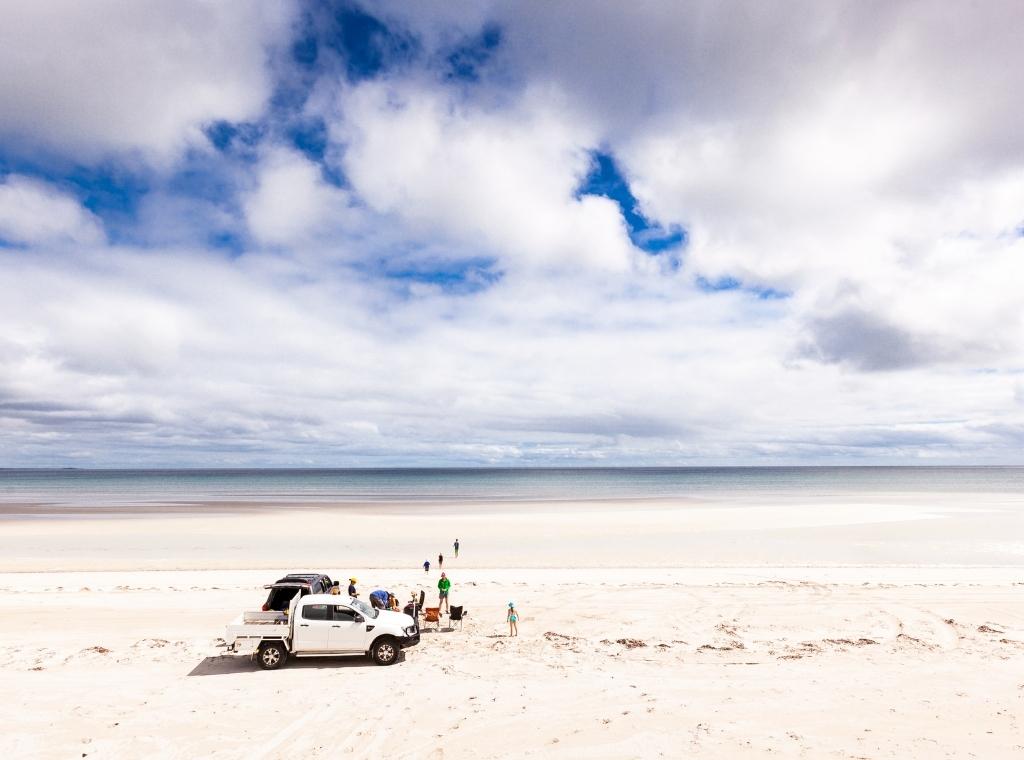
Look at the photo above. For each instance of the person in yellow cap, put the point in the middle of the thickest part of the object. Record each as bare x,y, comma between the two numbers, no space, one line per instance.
352,587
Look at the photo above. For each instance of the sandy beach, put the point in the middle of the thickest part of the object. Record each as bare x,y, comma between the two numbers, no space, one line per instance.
628,647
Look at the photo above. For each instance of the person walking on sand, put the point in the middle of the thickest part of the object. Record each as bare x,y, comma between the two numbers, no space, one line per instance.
513,619
440,561
352,587
456,548
443,586
426,565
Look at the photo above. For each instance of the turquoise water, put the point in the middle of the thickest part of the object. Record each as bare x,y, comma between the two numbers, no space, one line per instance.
83,488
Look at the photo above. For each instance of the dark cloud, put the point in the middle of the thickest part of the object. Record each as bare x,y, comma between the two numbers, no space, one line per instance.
66,418
868,342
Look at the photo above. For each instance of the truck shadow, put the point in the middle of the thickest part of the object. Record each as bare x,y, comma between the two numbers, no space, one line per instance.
228,664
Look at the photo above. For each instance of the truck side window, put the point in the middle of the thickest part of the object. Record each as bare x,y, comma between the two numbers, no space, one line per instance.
344,613
316,612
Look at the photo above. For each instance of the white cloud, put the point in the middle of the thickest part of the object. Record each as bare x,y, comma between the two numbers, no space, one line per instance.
253,360
35,213
293,204
502,182
106,76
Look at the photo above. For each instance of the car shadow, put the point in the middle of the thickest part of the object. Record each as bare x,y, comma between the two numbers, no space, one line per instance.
228,664
433,631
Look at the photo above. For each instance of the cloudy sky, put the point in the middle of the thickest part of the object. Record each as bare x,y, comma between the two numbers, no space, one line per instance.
440,233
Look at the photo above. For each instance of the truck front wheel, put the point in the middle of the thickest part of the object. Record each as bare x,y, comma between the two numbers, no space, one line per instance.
385,651
271,655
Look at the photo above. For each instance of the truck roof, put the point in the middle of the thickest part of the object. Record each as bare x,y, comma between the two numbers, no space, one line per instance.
305,577
326,599
299,580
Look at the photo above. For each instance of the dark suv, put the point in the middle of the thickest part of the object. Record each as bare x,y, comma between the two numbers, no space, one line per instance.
283,591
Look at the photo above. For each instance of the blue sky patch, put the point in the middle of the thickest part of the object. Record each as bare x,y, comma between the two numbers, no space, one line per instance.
305,50
465,276
731,283
606,180
466,61
198,177
366,44
309,136
113,194
224,240
226,136
109,190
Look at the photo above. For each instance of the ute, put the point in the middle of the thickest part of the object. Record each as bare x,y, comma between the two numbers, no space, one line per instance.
322,625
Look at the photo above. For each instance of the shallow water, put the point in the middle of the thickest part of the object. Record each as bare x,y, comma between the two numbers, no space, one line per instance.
85,488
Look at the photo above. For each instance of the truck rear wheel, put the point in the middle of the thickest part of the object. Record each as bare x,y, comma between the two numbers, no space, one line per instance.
271,655
385,651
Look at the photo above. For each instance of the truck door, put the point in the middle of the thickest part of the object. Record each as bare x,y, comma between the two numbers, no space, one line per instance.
313,628
346,634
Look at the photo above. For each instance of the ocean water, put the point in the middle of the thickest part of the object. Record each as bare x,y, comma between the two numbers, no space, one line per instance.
105,488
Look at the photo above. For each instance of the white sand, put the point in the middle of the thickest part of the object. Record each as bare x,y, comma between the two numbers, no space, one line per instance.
786,655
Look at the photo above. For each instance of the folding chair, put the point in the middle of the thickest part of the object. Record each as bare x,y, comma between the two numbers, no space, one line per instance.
432,615
415,607
456,615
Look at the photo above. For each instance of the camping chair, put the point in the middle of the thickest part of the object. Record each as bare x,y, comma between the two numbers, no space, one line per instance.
456,615
433,615
415,607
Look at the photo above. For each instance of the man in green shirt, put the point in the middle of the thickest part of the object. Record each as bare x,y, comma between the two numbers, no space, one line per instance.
442,586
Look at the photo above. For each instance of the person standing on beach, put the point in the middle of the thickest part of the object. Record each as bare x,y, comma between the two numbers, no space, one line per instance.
426,565
440,561
352,587
443,587
456,548
513,620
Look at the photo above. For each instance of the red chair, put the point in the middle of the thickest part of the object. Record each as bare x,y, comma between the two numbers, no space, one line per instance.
432,615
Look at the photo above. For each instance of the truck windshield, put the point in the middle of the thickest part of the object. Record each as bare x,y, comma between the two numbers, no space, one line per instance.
364,609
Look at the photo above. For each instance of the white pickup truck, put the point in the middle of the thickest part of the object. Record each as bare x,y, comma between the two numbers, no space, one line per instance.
322,625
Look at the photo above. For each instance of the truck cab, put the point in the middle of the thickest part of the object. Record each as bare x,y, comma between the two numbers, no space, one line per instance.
345,627
322,625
